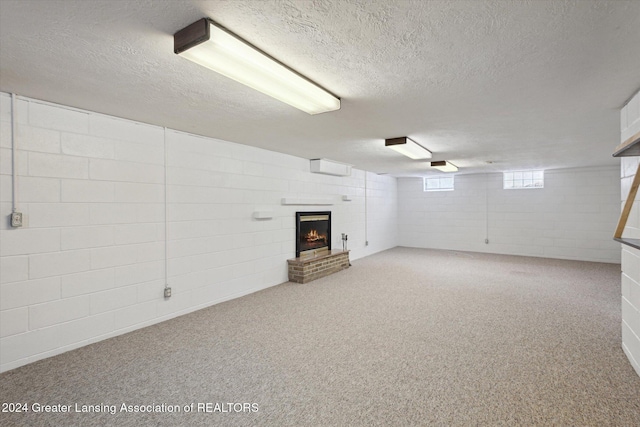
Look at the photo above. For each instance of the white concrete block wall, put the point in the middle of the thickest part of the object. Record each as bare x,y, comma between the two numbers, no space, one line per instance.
630,125
89,262
443,219
572,217
65,274
218,250
382,215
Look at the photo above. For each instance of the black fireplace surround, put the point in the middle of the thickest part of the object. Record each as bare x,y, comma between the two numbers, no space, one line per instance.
313,232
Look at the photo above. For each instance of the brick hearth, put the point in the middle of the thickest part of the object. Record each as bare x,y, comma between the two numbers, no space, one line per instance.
304,270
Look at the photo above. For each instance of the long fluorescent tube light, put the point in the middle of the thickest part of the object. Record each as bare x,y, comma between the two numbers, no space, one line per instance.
408,147
444,166
210,45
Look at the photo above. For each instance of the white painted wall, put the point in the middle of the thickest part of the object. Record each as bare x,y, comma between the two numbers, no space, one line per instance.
572,217
630,125
89,263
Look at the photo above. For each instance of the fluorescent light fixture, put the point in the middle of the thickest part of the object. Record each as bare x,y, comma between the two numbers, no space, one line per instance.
210,45
444,166
408,147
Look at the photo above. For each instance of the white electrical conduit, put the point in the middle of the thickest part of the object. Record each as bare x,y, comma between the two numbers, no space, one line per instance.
366,237
486,204
14,151
166,220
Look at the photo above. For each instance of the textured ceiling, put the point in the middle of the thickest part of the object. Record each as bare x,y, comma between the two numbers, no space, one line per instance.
523,84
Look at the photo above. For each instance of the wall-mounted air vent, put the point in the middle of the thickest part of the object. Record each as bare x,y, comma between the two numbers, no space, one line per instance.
329,167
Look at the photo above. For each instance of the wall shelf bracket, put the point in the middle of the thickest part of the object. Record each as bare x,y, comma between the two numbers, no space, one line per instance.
631,147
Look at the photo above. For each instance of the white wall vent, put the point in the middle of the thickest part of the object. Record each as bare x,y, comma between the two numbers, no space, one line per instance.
329,167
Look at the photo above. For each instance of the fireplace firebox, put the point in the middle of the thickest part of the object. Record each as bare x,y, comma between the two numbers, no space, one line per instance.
313,233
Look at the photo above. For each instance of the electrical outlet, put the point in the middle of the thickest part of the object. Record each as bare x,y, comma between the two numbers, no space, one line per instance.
167,292
16,219
366,243
486,241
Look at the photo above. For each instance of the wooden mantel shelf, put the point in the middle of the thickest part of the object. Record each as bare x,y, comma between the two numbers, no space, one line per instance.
631,147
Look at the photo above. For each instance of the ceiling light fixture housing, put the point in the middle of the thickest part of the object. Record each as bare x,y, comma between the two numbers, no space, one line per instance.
408,147
213,46
444,166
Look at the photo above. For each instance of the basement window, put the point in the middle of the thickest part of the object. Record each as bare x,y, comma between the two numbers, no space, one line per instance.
438,183
523,179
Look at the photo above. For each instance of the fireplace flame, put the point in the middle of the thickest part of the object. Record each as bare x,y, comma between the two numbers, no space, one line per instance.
313,236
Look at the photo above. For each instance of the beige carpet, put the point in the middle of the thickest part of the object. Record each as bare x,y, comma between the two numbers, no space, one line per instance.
404,337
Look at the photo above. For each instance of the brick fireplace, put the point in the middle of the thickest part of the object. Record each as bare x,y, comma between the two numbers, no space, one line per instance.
314,257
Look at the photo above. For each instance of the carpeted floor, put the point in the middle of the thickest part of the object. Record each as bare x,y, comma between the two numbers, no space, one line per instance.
404,337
